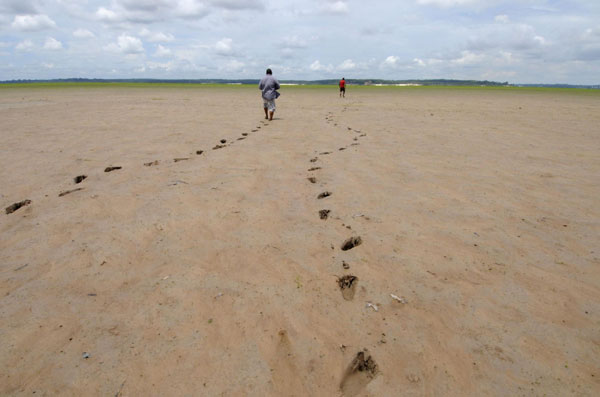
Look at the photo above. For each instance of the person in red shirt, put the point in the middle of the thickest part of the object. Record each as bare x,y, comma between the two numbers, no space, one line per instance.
342,85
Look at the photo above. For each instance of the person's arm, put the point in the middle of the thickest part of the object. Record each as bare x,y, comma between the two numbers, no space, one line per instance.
261,85
277,85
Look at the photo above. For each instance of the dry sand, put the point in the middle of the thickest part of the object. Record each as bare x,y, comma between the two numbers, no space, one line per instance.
216,276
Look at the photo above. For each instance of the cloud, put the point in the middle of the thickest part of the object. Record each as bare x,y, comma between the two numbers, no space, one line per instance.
468,58
166,66
419,62
239,4
106,15
127,45
293,42
19,7
448,3
52,44
348,64
501,18
233,66
316,66
338,7
224,46
48,65
158,37
25,45
391,61
162,52
83,34
33,22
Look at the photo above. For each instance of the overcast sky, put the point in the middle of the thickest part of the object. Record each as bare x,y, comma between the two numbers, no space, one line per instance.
520,41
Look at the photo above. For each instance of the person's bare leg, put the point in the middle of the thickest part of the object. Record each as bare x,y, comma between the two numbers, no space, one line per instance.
271,116
266,113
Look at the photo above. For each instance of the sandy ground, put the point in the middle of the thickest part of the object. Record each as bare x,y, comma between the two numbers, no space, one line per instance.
215,275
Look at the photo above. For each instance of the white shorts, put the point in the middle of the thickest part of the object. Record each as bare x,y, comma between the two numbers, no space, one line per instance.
269,104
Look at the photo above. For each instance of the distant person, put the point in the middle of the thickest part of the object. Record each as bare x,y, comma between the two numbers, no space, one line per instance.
269,86
342,85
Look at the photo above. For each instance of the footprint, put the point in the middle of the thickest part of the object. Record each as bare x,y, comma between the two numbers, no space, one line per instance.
323,214
324,153
314,159
314,168
181,159
312,179
223,140
287,379
323,195
241,138
345,265
342,148
12,208
218,147
69,191
109,169
351,243
198,152
79,178
355,144
244,134
362,370
150,164
348,286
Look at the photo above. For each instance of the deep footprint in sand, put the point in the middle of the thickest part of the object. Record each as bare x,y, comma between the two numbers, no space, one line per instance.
324,153
180,159
314,159
12,208
347,285
314,168
312,179
244,134
351,243
198,152
218,147
79,178
323,195
150,164
324,214
109,169
362,370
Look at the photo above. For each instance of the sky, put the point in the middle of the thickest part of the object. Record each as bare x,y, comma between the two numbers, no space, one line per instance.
519,41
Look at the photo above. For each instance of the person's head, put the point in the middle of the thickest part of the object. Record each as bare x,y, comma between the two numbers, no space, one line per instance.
269,71
343,78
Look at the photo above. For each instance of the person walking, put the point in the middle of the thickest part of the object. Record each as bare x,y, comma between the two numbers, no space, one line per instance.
269,86
342,85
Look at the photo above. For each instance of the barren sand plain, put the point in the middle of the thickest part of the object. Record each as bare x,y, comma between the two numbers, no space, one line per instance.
214,274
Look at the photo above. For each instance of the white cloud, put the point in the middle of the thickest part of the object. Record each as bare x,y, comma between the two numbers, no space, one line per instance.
167,66
52,44
224,46
191,9
348,64
33,22
293,42
468,58
419,62
127,45
25,45
238,4
316,66
157,37
106,15
391,62
83,34
162,52
501,18
48,65
448,3
335,7
233,66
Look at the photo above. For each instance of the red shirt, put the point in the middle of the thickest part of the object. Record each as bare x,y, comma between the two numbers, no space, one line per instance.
342,83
